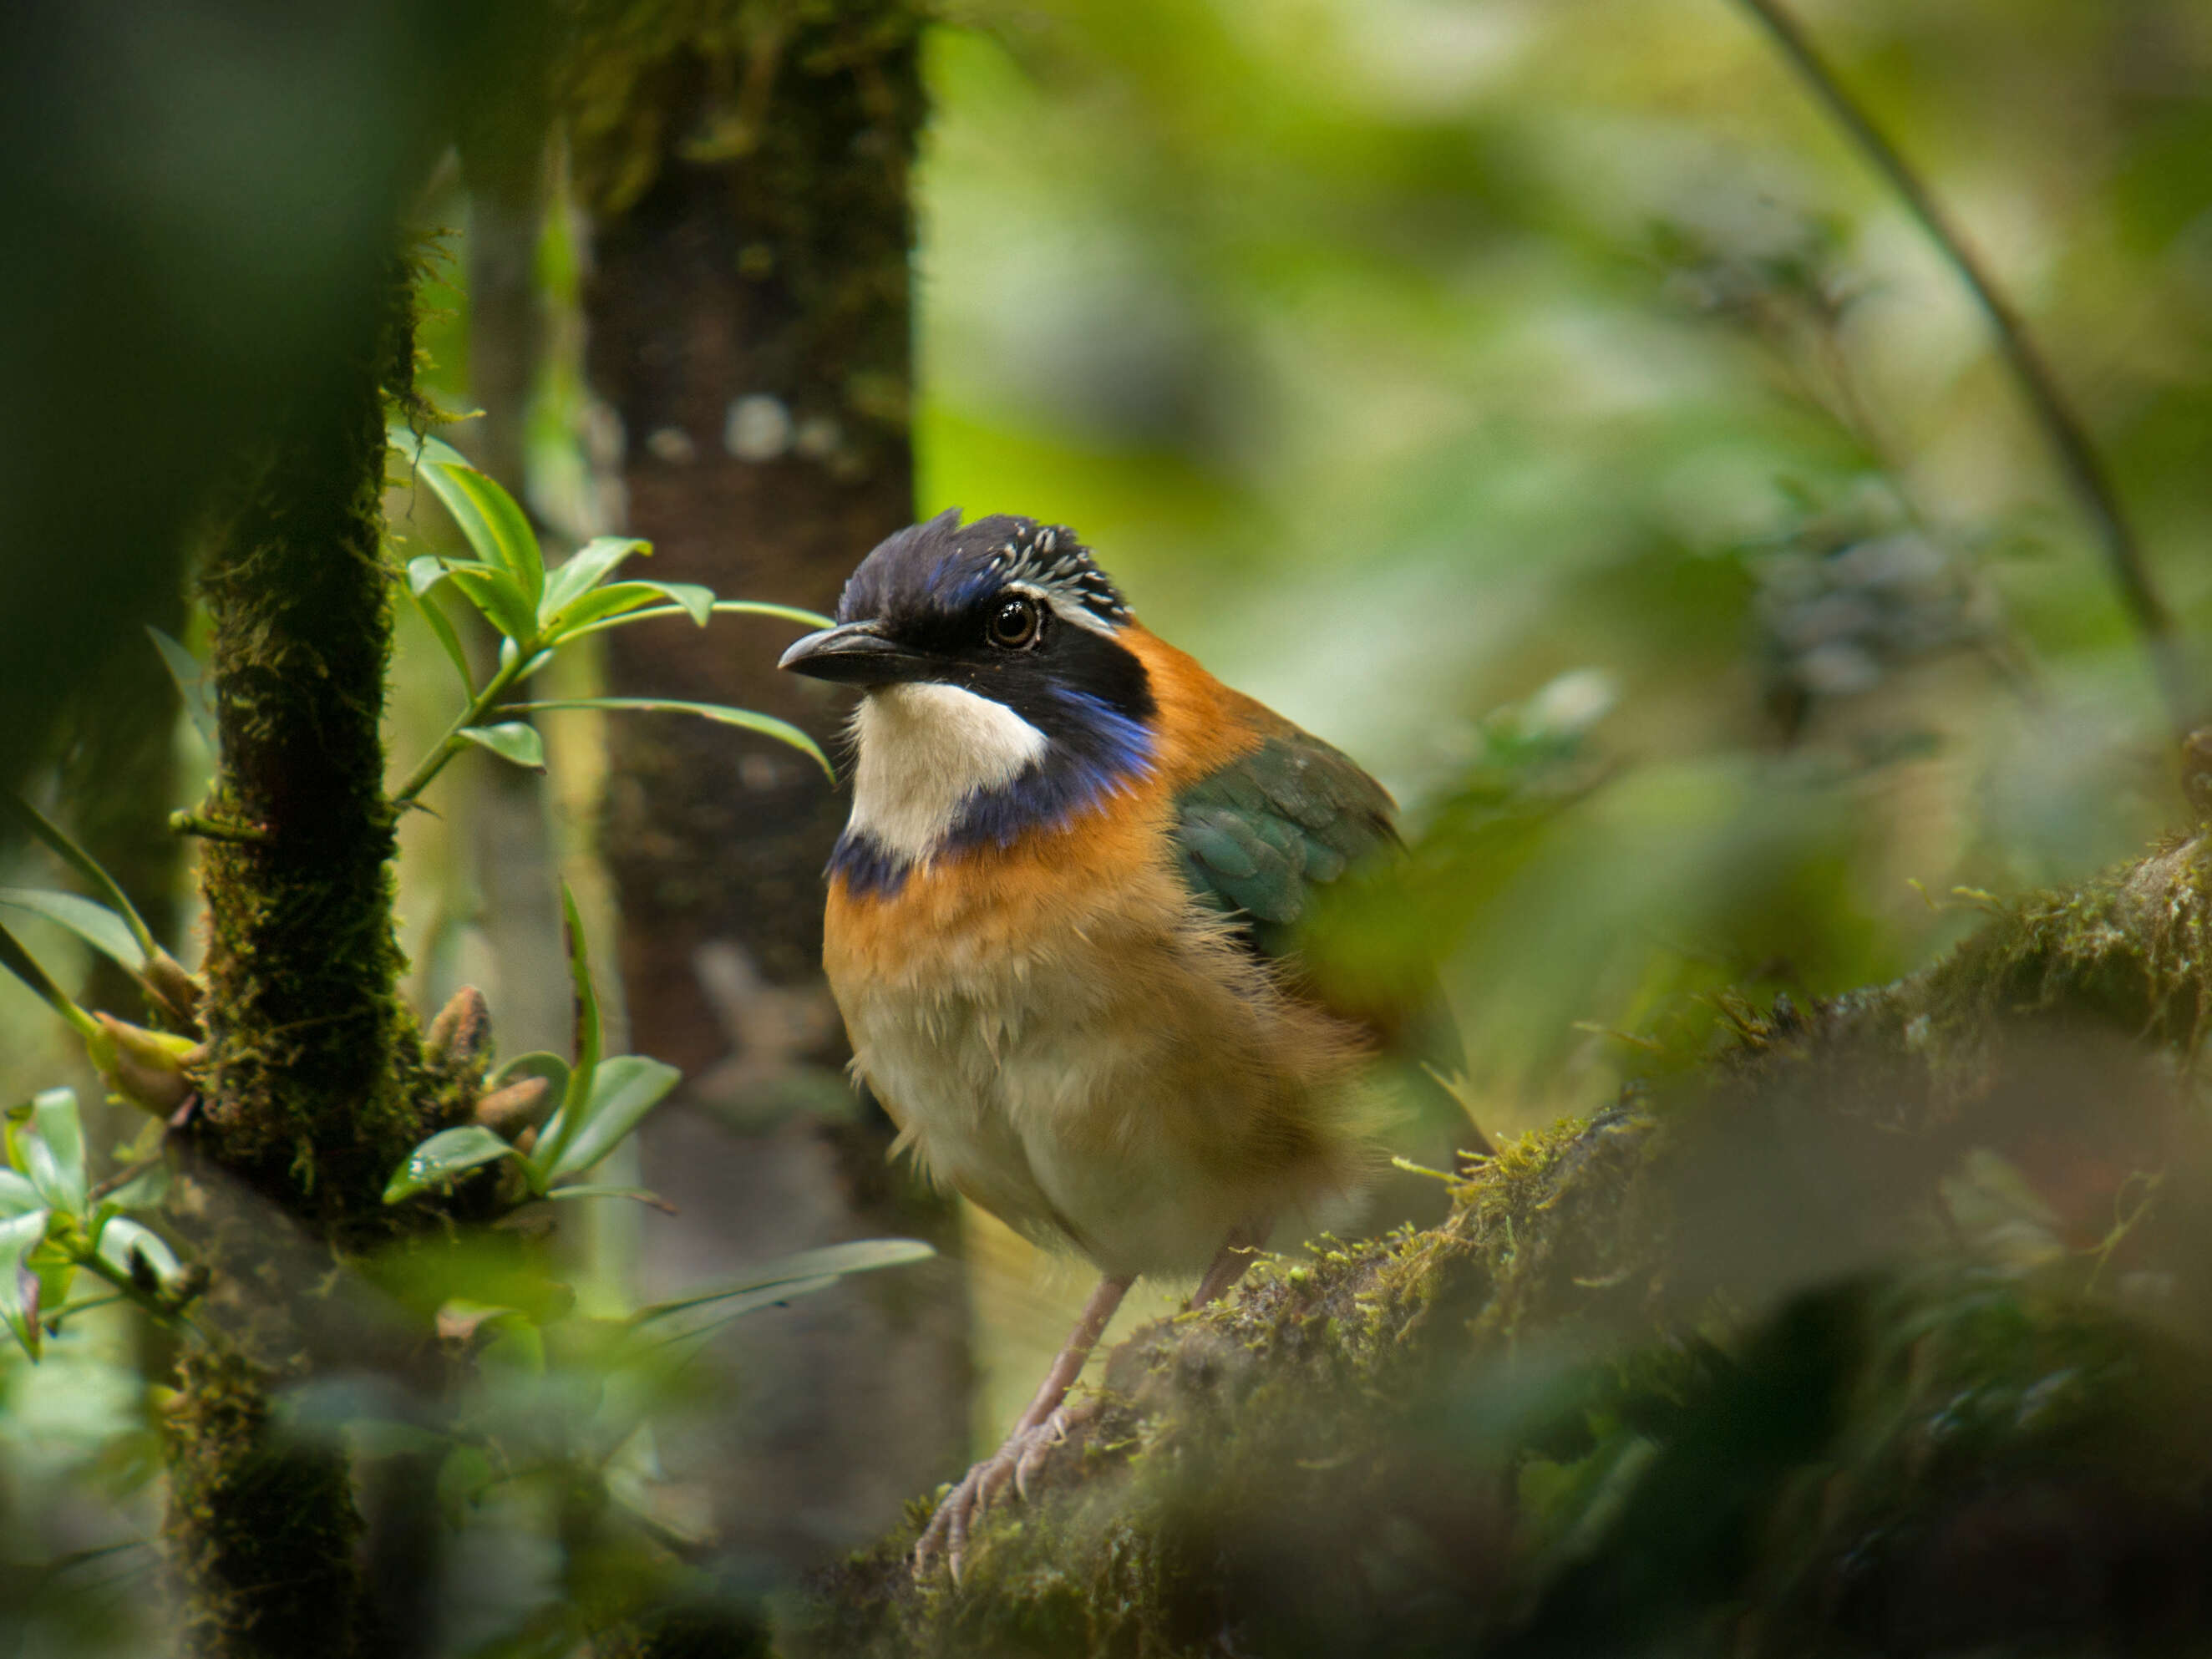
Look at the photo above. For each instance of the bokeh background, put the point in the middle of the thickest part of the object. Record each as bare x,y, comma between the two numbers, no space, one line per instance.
1542,402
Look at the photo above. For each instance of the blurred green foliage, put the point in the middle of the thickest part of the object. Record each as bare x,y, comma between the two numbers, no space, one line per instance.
1401,359
1541,402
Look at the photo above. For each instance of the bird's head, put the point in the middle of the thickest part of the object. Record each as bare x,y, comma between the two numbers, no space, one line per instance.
1000,692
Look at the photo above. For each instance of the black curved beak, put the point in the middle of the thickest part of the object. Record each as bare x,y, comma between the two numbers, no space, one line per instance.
857,653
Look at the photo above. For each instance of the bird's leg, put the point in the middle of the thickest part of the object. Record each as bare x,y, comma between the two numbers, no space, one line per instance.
1237,1252
1042,1426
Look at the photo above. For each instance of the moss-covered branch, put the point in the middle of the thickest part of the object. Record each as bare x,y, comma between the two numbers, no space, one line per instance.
313,1094
316,1088
1822,1347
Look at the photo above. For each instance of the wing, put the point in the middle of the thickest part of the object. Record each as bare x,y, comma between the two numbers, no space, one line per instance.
1258,837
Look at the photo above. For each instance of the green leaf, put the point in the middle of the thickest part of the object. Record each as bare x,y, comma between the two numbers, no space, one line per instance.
499,596
19,1289
95,924
511,740
495,528
17,1195
553,1139
141,1192
104,886
433,618
720,608
191,675
623,1090
124,1243
538,1062
767,725
24,966
790,1276
445,1154
54,1156
585,570
425,571
617,598
512,543
509,657
588,1189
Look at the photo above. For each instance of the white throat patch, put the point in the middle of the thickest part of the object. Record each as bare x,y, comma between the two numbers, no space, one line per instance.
924,750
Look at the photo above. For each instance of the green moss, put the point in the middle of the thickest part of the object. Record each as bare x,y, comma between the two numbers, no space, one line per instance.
260,1534
313,1089
1733,1360
796,123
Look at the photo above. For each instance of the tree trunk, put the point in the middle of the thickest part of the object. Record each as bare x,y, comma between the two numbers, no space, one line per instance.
748,322
315,1089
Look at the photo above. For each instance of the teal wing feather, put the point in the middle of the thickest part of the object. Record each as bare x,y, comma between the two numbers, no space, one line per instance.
1258,837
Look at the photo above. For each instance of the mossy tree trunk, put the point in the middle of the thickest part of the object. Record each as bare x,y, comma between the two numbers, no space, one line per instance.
315,1088
312,1092
748,322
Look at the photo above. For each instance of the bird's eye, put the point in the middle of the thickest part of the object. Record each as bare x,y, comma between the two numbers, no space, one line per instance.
1014,623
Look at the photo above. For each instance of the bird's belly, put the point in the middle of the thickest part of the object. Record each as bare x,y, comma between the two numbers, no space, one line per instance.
1137,1116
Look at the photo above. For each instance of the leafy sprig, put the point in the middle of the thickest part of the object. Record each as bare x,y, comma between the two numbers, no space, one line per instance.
537,610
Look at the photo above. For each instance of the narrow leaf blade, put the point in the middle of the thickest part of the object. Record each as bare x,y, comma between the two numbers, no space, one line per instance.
513,544
424,572
494,525
623,1090
17,1195
445,1154
433,618
24,966
741,1302
587,1190
721,608
95,924
538,1062
516,741
499,596
585,570
831,1262
61,1131
95,874
552,1140
19,1289
191,675
766,725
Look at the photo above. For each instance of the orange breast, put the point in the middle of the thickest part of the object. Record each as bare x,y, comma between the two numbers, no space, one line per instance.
980,902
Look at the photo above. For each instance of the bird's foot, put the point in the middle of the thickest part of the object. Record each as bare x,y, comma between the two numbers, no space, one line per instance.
1015,1464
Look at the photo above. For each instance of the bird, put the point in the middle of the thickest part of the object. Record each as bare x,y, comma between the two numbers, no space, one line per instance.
1061,929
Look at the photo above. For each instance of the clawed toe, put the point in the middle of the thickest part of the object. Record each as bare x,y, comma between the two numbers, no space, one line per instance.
1066,1424
1014,1463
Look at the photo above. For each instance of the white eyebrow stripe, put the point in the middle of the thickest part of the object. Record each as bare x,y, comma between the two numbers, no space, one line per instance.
1073,612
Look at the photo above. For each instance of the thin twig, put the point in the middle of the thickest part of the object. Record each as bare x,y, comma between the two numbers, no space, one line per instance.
208,828
2077,457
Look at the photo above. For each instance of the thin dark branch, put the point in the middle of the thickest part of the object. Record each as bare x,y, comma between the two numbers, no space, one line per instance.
2077,457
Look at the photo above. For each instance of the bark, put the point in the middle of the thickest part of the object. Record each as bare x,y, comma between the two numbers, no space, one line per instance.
313,1092
1837,1342
749,324
315,1089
